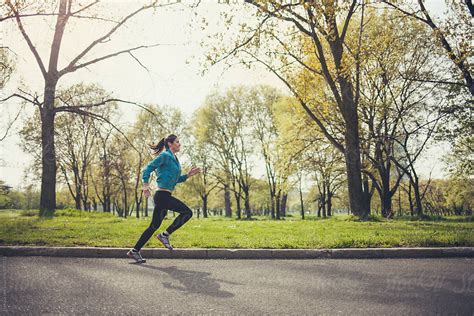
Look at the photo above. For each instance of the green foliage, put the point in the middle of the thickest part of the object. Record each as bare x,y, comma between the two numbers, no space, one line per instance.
7,66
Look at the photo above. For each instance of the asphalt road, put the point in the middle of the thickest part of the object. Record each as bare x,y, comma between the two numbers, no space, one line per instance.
51,285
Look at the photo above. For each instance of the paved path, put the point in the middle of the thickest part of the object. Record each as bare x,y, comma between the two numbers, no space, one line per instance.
98,286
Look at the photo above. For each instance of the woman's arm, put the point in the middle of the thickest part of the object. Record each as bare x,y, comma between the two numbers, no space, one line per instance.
192,172
183,178
154,164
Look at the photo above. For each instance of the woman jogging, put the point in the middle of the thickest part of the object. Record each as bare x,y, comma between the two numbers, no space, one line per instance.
168,174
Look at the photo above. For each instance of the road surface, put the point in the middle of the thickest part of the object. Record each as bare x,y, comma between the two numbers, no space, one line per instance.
52,285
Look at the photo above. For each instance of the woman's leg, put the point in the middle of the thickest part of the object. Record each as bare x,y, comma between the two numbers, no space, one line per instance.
184,211
161,199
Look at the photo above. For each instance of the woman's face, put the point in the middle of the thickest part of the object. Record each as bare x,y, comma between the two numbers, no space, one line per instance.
175,146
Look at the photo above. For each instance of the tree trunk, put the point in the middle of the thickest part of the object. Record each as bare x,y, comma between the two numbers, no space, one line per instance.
301,202
416,190
77,200
227,202
272,206
204,206
108,203
348,108
277,206
323,202
125,199
386,197
48,157
357,198
366,189
48,177
138,208
237,204
283,204
107,182
410,199
399,202
329,203
320,203
248,212
386,204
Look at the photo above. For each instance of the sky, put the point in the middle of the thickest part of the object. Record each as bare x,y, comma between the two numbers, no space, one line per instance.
173,75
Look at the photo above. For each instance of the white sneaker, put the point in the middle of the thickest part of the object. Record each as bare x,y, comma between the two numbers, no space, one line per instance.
165,240
136,255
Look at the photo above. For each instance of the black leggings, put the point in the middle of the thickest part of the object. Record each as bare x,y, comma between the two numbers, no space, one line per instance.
164,202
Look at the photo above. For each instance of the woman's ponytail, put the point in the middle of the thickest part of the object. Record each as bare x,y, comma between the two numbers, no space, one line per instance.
163,143
157,148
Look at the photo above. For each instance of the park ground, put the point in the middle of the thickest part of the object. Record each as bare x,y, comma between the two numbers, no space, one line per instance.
82,228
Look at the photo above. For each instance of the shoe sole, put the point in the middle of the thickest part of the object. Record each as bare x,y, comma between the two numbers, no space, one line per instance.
137,261
158,237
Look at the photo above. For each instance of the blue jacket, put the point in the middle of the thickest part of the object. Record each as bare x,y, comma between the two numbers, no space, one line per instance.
168,170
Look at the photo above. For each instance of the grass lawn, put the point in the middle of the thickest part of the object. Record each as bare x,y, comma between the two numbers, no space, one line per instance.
81,228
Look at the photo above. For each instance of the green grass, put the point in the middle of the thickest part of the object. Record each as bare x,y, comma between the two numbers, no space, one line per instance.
80,228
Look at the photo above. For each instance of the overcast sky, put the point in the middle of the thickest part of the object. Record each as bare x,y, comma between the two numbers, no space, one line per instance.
173,76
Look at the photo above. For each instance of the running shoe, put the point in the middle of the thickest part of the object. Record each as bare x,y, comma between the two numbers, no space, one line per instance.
136,256
165,240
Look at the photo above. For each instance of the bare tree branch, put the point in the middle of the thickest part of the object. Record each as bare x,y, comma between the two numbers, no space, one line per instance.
338,145
244,43
94,18
103,102
85,7
434,81
413,14
273,13
70,68
138,61
99,117
72,64
27,15
346,22
16,95
10,124
459,62
28,40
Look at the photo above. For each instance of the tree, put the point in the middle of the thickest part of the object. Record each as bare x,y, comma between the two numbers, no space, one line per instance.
293,31
121,174
262,101
460,166
101,175
454,34
327,165
397,91
224,122
204,183
66,10
75,140
293,140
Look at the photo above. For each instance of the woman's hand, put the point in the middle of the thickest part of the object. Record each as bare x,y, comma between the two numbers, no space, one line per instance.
193,171
146,189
